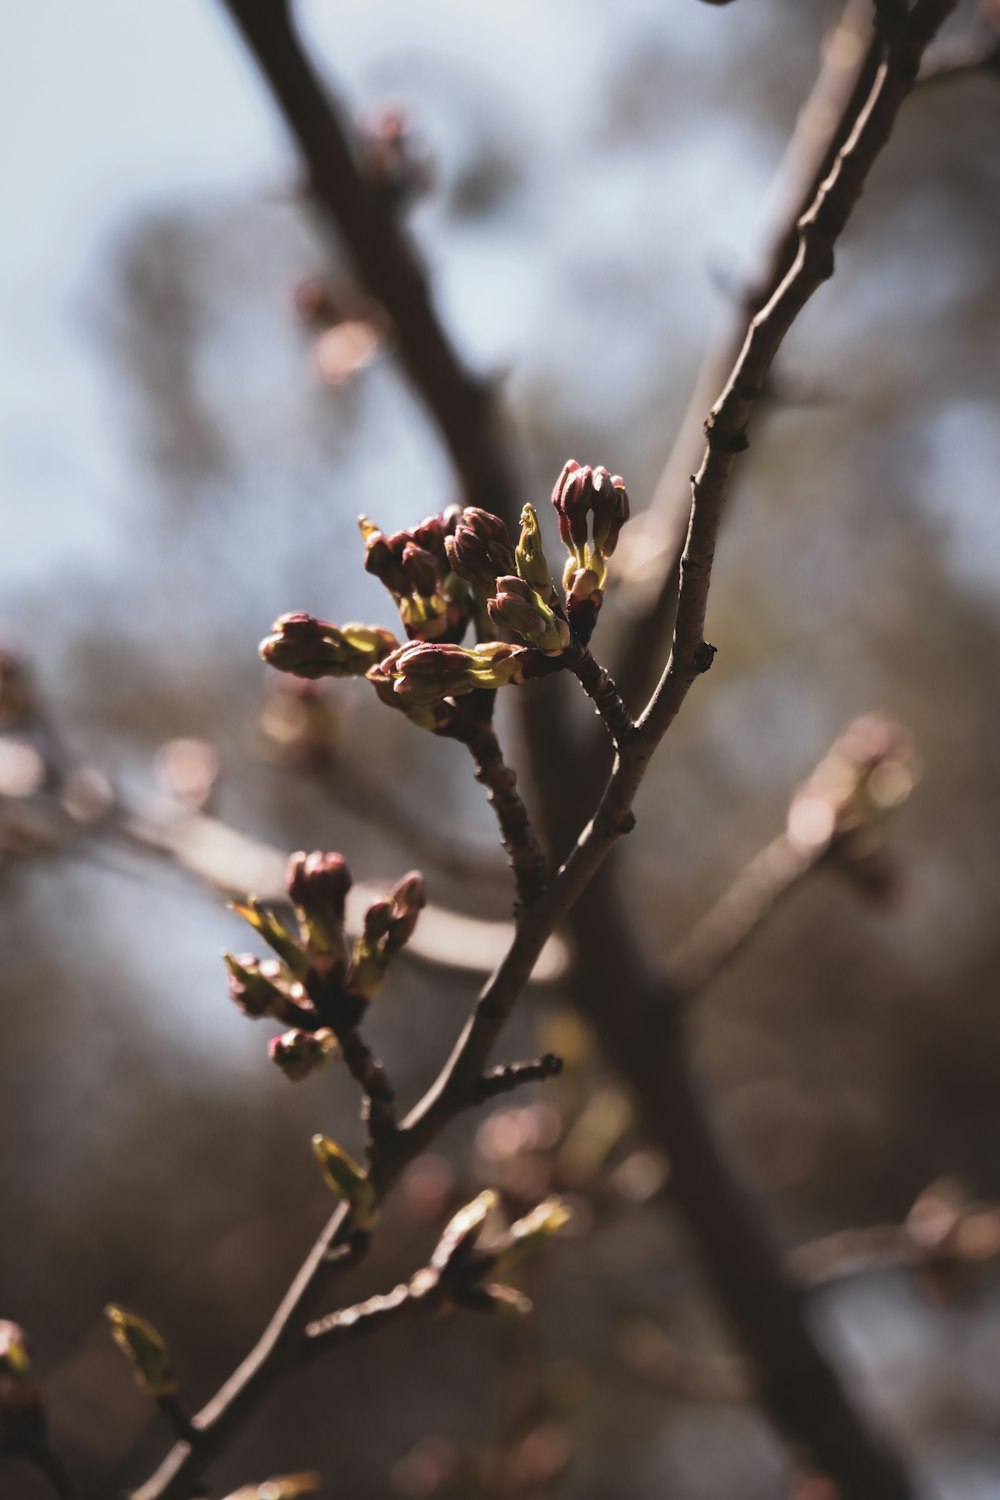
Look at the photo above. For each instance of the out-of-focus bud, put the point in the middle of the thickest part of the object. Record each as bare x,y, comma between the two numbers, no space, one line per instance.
462,1232
299,1053
318,885
480,550
394,168
494,1297
22,1410
275,934
140,1343
312,648
518,608
252,984
388,927
527,1234
579,493
841,808
282,1487
345,1178
14,1357
609,502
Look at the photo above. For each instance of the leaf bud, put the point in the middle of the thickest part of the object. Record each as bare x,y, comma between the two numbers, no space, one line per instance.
140,1343
345,1178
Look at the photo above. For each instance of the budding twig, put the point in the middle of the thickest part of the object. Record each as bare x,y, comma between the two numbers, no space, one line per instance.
599,686
517,835
505,1079
799,1388
368,1071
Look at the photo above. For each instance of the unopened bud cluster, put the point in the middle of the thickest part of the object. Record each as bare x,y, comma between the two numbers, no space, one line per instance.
319,984
462,569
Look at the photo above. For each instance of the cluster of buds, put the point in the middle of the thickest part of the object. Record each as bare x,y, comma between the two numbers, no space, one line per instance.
318,986
462,1265
433,602
420,677
592,507
312,648
515,582
458,568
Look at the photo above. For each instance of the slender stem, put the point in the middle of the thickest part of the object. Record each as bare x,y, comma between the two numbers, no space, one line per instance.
600,687
369,1073
517,835
755,894
511,1076
850,61
175,1414
350,1323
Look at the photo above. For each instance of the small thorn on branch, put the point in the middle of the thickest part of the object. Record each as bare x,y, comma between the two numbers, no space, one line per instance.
505,1079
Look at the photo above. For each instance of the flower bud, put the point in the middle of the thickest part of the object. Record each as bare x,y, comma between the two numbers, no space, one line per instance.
140,1343
519,609
570,496
307,647
318,885
251,986
611,510
480,550
388,927
299,1053
384,556
14,1358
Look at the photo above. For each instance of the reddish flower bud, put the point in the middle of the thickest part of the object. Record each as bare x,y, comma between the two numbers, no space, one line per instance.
318,885
299,1053
518,608
570,496
611,510
480,550
312,648
421,568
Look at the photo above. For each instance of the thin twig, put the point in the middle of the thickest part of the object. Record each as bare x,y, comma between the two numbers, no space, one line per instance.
523,853
175,1414
600,687
797,1385
510,1076
368,1071
754,895
851,57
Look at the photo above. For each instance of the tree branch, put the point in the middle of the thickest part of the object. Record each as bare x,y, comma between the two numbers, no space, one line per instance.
523,853
799,1388
600,687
